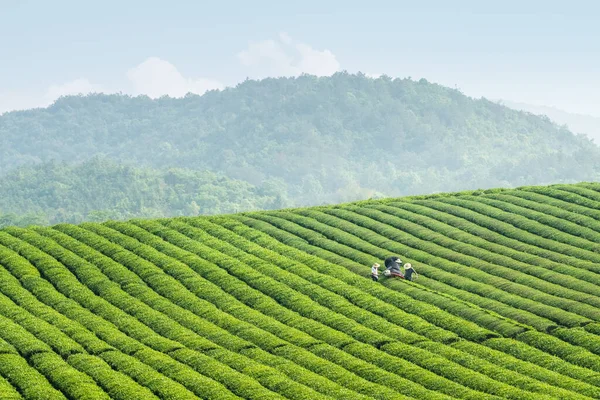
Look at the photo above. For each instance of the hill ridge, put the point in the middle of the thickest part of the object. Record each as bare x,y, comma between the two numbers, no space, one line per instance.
282,142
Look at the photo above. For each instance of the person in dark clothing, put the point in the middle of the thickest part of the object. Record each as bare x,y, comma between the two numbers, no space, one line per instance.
390,261
409,271
392,267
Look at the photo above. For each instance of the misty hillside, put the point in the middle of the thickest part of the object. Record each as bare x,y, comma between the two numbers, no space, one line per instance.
298,141
578,123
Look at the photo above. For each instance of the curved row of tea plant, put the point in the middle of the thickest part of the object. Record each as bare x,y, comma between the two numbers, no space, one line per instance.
279,304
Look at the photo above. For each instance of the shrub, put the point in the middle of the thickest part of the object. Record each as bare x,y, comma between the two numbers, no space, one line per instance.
539,356
527,366
30,383
8,391
115,384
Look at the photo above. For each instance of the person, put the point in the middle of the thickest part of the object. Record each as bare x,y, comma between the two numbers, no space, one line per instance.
409,271
392,267
375,272
392,260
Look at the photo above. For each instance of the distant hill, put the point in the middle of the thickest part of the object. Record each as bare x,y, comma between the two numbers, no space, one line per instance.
281,305
578,123
304,140
101,189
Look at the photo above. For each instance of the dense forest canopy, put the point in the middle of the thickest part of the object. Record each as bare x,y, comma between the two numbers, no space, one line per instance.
283,142
101,189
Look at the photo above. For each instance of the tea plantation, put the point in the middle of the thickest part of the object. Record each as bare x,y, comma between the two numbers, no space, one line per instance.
280,304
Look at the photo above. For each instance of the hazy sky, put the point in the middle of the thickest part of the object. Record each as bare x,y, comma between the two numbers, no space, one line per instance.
539,52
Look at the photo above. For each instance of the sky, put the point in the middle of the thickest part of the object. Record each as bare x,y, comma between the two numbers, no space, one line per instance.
536,52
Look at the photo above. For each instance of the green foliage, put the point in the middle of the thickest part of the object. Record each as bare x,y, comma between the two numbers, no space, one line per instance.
170,287
115,384
100,189
281,142
280,305
8,391
27,380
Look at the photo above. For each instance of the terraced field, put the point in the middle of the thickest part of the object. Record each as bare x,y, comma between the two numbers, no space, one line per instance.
279,305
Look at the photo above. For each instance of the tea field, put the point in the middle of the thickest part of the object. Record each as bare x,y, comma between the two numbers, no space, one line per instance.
280,304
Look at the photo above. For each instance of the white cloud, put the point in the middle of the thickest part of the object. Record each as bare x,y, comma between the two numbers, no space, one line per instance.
75,87
268,56
153,77
284,57
285,38
156,77
320,63
10,101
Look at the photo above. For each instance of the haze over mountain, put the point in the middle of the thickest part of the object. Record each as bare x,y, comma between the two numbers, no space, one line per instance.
578,123
286,141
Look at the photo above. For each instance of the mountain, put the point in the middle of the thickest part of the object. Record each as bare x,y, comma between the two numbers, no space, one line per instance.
303,141
280,304
578,123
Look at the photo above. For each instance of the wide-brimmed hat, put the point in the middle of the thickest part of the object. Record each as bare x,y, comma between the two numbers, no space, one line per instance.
407,266
376,265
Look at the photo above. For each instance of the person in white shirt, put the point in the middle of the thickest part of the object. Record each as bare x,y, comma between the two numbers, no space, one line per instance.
375,272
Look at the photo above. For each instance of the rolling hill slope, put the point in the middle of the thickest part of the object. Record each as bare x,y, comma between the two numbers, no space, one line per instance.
279,304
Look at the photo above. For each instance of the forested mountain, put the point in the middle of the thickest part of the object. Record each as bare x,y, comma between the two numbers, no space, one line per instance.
290,141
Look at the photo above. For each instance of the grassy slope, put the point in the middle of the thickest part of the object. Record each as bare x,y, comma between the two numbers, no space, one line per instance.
280,305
